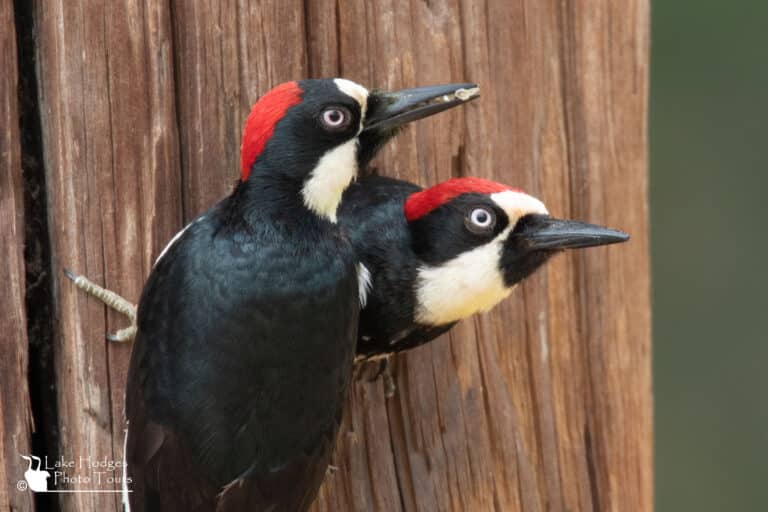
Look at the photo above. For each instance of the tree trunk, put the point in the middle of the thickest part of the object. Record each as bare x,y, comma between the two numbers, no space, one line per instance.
543,404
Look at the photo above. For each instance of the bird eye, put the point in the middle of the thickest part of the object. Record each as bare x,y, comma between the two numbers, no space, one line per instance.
480,220
336,118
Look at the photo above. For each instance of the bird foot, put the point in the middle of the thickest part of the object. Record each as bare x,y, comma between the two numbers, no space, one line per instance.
125,334
111,299
385,372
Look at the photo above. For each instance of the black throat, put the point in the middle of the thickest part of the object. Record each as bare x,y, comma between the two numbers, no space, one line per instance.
273,196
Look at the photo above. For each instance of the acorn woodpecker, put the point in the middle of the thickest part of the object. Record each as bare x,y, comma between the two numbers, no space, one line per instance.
439,255
247,324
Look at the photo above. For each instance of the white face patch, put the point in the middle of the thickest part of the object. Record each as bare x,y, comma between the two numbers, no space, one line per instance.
334,171
338,166
472,282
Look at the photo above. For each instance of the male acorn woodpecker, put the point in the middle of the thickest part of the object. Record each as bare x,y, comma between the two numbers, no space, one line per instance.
439,255
247,324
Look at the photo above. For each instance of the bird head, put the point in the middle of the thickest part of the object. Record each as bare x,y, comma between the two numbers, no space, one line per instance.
477,239
316,134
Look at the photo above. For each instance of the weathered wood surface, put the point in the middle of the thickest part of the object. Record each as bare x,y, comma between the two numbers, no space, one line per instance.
15,412
111,152
544,404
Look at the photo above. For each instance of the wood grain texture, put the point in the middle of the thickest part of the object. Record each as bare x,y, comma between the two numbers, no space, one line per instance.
15,413
227,53
528,408
106,91
544,404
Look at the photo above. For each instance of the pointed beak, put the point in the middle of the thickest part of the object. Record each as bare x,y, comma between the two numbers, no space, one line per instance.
389,110
544,233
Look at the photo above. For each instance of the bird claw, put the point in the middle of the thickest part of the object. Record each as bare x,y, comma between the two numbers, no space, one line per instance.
111,299
389,385
123,335
385,372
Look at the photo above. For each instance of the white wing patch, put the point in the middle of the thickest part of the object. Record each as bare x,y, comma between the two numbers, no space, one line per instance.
124,488
364,283
176,238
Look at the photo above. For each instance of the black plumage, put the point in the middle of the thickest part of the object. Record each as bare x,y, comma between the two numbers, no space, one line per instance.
269,327
246,334
371,215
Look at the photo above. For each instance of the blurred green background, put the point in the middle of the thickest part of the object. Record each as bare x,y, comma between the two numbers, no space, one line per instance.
709,210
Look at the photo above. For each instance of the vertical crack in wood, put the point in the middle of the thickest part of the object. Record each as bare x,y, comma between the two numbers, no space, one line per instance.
305,7
37,252
177,92
591,470
401,427
576,165
116,194
339,60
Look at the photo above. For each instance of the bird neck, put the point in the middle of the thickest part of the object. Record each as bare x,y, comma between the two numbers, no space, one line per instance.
264,196
306,183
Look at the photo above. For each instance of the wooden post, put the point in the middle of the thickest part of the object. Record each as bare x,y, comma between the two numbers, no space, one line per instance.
15,413
544,404
111,148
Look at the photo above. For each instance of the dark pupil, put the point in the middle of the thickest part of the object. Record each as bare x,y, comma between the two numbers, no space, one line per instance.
334,116
481,217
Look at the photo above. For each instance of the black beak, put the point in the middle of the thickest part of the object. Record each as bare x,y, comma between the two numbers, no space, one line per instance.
541,232
389,110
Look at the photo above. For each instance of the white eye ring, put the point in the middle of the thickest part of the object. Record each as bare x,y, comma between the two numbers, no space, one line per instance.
480,220
336,118
481,217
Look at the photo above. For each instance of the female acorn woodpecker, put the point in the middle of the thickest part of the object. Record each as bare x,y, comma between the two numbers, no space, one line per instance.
247,324
439,255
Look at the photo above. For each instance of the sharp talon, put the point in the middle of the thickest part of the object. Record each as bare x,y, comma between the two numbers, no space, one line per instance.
71,275
123,335
383,368
385,373
389,385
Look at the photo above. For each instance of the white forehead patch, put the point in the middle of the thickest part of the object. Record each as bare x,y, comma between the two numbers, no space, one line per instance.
353,90
518,204
356,91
